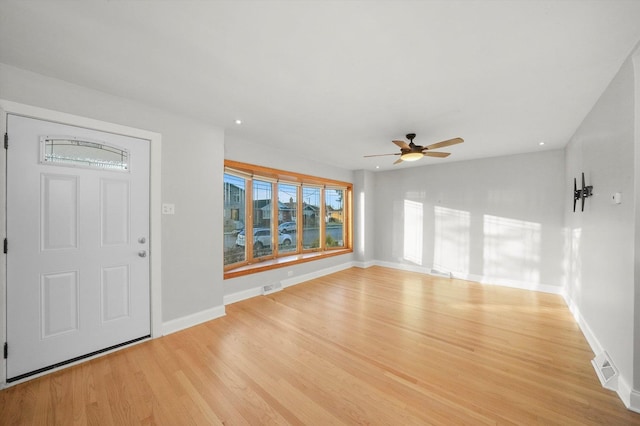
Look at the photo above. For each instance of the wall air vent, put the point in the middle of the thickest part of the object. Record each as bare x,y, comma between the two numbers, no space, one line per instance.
271,288
606,371
439,273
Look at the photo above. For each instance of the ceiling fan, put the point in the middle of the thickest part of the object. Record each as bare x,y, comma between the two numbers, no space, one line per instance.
412,152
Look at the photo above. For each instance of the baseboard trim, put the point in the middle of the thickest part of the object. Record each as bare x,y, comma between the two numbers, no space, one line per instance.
364,265
592,340
242,295
624,392
634,401
401,266
629,397
193,319
524,285
257,291
316,274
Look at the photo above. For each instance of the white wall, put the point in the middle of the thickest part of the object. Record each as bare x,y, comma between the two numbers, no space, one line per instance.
496,220
254,153
602,240
192,153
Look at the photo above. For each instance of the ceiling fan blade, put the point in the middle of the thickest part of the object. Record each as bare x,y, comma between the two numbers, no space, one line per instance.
382,155
402,144
398,161
436,154
444,143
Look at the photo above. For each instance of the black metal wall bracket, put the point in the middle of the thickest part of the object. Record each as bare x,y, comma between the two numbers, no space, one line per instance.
581,194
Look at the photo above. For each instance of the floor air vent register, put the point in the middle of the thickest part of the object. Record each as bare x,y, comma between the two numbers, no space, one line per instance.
606,371
271,288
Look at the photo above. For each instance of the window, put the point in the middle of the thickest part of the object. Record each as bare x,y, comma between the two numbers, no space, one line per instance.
234,215
291,218
288,214
73,151
334,217
311,217
262,206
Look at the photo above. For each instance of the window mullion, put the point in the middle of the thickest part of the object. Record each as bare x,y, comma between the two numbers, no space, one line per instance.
275,212
248,226
323,219
299,220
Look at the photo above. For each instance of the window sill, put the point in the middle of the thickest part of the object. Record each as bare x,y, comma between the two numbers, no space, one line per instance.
282,262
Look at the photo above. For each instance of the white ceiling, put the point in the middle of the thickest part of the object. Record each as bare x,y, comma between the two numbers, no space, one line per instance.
335,80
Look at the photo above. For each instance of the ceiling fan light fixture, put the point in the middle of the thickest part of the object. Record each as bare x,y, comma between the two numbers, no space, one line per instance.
412,152
411,156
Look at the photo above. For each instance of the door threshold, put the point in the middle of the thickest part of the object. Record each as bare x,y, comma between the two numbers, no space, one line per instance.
76,359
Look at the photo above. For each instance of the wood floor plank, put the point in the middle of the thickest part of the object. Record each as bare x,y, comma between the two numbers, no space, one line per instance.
361,346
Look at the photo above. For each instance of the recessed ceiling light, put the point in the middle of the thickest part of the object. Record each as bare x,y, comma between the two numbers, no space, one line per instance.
377,167
238,121
541,143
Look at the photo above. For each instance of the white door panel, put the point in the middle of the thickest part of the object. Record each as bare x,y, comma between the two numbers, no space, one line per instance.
76,282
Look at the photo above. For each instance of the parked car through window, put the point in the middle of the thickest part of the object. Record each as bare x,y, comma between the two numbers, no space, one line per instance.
262,238
288,227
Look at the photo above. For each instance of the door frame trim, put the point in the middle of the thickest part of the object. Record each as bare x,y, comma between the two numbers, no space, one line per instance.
155,247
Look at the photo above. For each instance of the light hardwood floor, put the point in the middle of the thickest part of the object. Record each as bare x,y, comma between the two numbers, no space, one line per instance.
362,346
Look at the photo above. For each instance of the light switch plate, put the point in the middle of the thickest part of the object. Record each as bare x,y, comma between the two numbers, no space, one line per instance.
168,209
617,198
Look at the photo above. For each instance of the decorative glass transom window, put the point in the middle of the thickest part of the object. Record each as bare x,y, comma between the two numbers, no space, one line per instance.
77,152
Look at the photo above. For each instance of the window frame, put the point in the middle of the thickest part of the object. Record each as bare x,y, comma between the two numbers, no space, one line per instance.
277,259
327,217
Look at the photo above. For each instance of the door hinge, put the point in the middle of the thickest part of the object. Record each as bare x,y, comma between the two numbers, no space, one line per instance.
6,350
5,246
6,141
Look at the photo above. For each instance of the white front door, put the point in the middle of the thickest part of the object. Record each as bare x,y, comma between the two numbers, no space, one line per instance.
77,243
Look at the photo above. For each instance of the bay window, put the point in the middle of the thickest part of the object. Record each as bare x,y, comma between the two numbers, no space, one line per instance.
273,218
